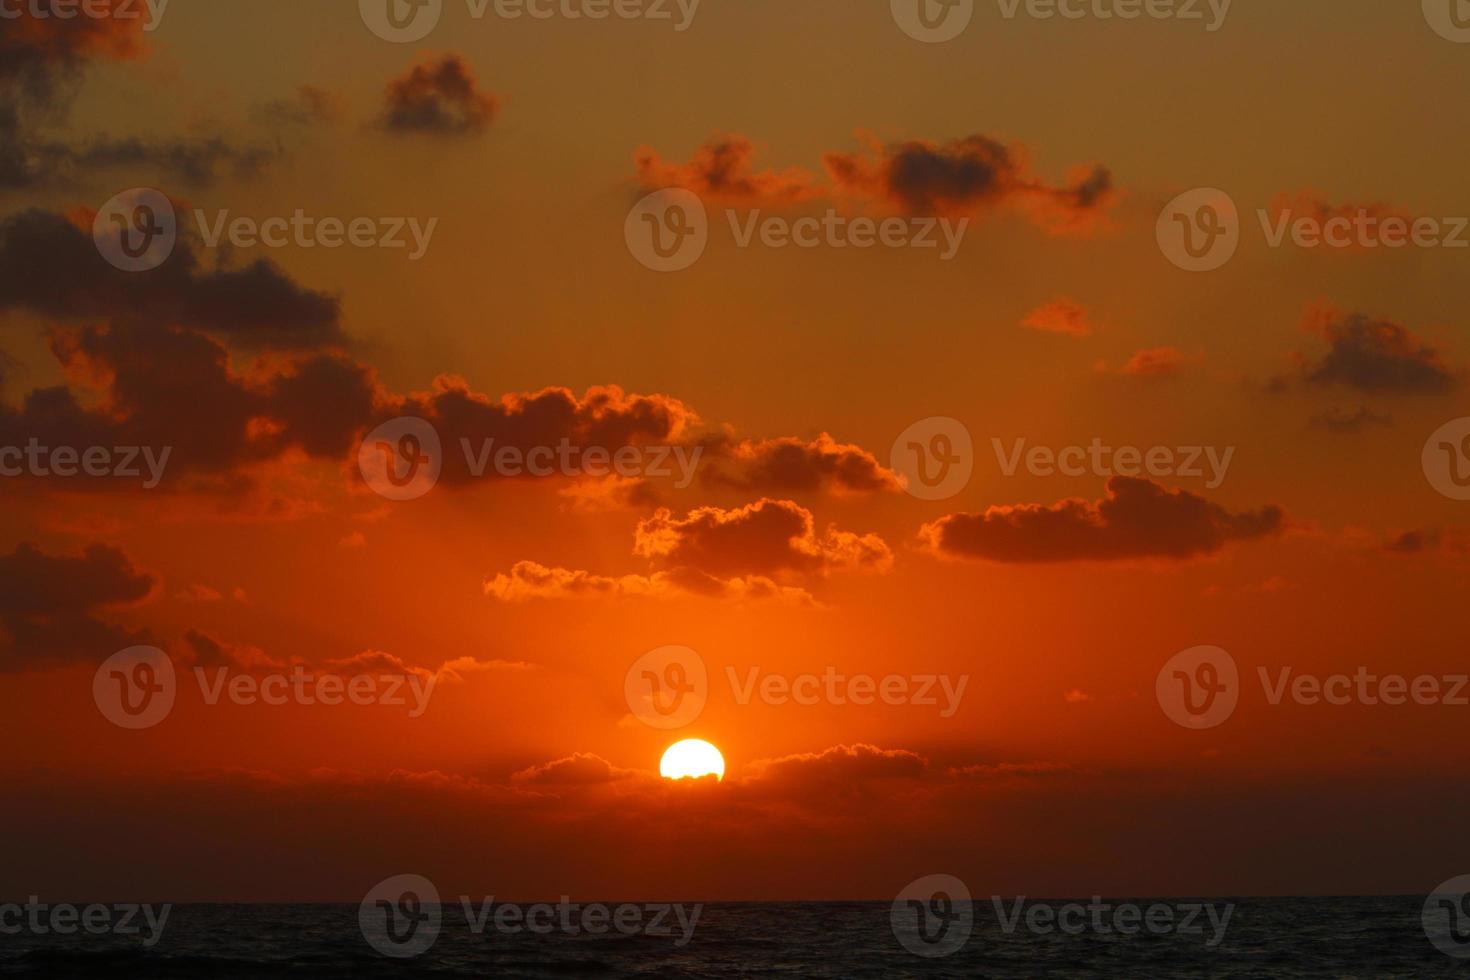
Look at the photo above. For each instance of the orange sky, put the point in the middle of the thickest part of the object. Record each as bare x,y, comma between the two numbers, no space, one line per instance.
795,548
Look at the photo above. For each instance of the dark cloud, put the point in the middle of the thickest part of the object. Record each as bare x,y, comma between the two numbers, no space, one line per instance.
51,267
1344,422
1373,356
723,169
48,606
308,106
768,537
1137,519
604,417
791,465
41,63
969,176
176,389
439,97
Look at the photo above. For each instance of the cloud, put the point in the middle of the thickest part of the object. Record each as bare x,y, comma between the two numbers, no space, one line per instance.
160,388
50,266
439,97
1376,356
970,176
766,550
1448,542
605,418
41,62
49,605
1313,206
1154,362
528,580
790,465
848,765
578,769
308,107
1341,421
1138,519
723,170
1065,316
768,537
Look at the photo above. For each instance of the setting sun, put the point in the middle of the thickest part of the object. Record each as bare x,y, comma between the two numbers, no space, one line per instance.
691,759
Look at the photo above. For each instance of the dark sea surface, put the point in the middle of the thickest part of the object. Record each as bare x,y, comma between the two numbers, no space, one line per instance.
1265,937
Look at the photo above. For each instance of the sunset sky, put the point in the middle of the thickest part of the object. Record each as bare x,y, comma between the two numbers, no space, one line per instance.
795,548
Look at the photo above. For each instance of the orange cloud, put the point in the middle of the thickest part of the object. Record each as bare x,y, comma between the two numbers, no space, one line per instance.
790,465
438,96
1137,519
1065,316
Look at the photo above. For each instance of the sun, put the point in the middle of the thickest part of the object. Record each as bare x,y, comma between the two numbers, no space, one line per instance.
691,759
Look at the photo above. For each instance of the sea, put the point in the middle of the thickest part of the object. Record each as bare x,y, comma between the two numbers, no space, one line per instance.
1264,937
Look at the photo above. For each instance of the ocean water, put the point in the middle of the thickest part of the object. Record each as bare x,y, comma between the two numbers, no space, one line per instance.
1265,937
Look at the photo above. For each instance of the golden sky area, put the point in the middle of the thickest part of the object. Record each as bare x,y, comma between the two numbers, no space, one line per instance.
1327,544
